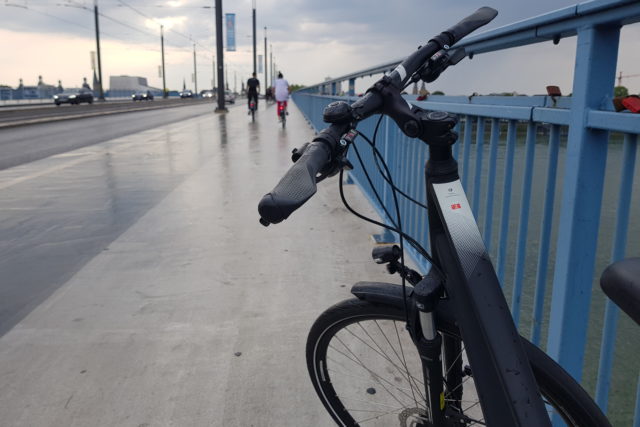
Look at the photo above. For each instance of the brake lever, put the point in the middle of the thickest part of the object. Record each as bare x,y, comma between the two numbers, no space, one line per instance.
339,159
439,62
296,153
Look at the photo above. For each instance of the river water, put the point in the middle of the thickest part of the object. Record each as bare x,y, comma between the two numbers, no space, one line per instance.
626,362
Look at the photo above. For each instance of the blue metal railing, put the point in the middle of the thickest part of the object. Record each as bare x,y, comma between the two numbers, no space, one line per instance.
578,133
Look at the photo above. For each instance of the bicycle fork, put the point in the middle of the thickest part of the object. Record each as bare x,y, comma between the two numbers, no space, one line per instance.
425,296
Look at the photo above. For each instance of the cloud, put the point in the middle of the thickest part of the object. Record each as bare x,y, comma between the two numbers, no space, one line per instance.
169,23
310,39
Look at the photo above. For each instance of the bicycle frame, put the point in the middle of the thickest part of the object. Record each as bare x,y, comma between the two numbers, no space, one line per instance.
505,383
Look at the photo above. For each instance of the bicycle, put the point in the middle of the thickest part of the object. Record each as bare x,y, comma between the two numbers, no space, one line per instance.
444,351
252,110
282,113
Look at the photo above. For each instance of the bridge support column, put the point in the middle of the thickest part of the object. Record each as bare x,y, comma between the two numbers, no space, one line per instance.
352,87
593,81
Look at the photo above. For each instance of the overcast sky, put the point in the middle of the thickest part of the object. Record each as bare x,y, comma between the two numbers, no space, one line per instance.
311,40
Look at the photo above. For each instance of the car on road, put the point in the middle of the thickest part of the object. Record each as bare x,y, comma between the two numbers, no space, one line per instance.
74,97
207,94
229,97
186,94
142,95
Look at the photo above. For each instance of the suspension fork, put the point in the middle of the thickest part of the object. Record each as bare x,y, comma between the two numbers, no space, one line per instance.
426,295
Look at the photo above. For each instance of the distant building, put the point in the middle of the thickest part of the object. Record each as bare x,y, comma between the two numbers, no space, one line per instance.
6,92
46,90
127,85
39,91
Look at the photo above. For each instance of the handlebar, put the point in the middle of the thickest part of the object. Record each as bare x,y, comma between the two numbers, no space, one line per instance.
299,183
296,186
479,18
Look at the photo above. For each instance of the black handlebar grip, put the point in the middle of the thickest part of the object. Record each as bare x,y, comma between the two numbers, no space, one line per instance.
296,186
480,17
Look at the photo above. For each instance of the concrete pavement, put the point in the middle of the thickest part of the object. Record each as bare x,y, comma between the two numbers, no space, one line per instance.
194,314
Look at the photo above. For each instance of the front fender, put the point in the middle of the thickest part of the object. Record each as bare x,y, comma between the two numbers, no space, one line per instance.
391,294
381,293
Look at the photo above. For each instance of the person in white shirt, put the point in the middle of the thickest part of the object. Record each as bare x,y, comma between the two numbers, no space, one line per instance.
282,94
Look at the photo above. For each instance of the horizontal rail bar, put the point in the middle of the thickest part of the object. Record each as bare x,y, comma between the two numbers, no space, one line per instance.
607,120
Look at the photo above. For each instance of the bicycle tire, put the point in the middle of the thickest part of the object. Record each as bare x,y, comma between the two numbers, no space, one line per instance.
558,388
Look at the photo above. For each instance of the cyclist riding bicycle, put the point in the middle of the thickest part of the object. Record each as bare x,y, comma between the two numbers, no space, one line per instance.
282,94
253,87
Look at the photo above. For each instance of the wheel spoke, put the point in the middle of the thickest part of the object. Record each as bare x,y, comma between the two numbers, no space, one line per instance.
455,360
375,376
369,403
395,326
402,361
359,377
458,386
381,352
406,374
377,416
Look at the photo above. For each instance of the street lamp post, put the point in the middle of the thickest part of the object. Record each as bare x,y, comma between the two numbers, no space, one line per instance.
195,72
266,84
271,61
254,36
95,11
221,107
164,79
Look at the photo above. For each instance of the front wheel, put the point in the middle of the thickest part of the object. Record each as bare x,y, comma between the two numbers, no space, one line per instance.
367,371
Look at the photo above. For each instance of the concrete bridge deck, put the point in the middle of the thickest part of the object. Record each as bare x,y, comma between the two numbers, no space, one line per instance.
139,289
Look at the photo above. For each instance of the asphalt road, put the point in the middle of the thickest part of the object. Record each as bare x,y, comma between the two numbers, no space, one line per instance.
18,116
24,144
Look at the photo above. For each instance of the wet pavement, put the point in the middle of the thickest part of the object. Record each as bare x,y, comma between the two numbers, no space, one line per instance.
19,115
137,287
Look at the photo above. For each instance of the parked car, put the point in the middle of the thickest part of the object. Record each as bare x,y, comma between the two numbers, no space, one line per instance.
74,97
229,97
142,96
207,94
186,94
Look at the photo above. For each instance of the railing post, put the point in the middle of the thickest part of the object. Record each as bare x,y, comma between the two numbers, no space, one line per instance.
619,244
352,87
593,81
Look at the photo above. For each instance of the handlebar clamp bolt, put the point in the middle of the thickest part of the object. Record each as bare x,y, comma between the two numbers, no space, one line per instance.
411,128
337,112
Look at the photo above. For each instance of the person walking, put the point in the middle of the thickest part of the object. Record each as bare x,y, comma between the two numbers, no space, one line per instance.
282,94
253,88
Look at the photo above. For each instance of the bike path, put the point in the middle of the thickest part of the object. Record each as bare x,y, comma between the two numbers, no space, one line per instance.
191,313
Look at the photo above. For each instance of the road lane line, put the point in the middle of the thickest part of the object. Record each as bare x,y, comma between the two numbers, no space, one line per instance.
14,181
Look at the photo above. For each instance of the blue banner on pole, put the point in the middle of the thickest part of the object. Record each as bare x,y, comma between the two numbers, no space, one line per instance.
230,20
